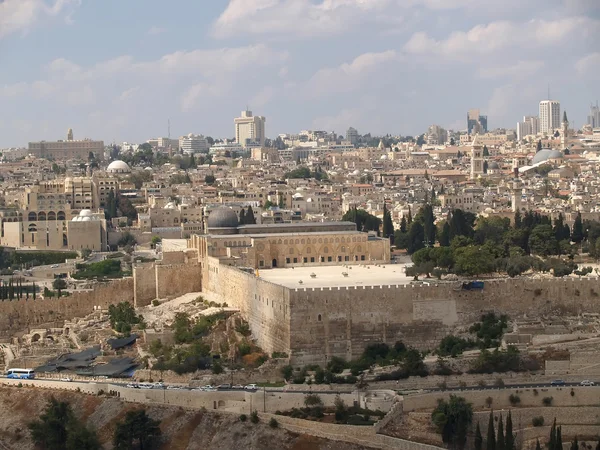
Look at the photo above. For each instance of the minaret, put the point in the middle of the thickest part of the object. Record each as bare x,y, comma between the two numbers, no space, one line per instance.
565,130
476,159
70,134
516,191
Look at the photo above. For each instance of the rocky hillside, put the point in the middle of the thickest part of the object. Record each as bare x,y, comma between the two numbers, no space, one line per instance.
182,429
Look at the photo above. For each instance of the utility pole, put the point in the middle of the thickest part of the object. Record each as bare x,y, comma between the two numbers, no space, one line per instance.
264,399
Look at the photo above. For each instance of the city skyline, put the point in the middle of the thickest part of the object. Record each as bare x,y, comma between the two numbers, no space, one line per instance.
200,64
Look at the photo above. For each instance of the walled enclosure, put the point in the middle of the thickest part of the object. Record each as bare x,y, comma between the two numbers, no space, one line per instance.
313,325
148,282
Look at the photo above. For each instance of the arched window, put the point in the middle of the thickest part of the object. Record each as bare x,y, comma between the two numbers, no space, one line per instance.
32,216
325,249
41,215
61,215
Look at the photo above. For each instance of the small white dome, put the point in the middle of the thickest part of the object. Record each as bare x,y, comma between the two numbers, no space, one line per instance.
85,213
118,166
86,219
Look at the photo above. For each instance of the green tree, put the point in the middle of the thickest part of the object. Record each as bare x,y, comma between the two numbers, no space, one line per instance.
388,225
486,152
209,179
490,442
473,260
428,225
403,225
575,444
444,236
416,237
242,218
500,436
537,445
453,419
478,442
539,145
59,429
577,234
137,431
542,241
155,240
509,437
59,284
250,219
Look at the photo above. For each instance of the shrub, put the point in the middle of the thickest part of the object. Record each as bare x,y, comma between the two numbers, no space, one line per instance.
155,303
547,401
489,401
481,383
20,385
537,421
312,400
535,392
243,417
572,393
287,372
279,355
514,399
273,422
254,417
499,382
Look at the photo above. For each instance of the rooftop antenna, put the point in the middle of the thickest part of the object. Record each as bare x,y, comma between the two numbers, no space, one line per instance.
548,91
169,127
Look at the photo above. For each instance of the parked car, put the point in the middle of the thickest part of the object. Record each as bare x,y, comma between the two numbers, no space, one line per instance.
251,387
54,266
174,388
558,383
66,379
587,383
223,387
237,386
132,386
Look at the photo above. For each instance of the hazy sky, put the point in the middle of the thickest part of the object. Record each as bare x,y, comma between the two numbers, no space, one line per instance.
119,69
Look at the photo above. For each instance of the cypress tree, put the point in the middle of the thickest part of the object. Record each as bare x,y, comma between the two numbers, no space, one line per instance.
34,293
537,445
577,234
552,440
559,444
575,444
478,438
500,439
409,218
598,446
250,219
242,216
490,442
403,227
518,220
445,235
509,437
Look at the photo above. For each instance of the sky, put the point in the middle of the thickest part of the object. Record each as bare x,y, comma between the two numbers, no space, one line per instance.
119,70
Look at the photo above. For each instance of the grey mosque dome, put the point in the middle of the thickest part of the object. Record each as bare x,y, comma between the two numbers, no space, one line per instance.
223,217
493,165
545,154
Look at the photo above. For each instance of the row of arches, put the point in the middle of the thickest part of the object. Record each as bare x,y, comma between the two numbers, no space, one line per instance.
42,216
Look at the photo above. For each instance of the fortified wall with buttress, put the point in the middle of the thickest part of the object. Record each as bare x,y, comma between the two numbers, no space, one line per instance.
314,324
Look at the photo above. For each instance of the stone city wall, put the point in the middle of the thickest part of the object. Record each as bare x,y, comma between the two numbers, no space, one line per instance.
174,280
20,315
264,305
341,321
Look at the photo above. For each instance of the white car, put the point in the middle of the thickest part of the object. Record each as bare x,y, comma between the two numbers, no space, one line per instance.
251,387
587,383
54,266
174,388
131,386
66,379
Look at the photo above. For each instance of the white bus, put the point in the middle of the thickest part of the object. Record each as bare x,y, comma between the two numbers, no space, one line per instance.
28,374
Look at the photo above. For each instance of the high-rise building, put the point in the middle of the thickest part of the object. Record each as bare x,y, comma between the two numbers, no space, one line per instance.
476,123
594,117
549,116
249,129
352,136
530,125
193,144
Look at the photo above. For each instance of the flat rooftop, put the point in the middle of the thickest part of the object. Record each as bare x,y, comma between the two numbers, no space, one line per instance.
333,276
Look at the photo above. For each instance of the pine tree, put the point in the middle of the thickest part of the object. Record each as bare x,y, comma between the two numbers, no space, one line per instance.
242,217
577,234
500,439
490,442
250,219
478,438
509,437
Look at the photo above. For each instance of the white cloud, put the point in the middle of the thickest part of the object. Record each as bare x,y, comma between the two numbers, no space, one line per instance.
520,70
340,121
153,31
483,39
589,64
20,15
303,18
349,76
